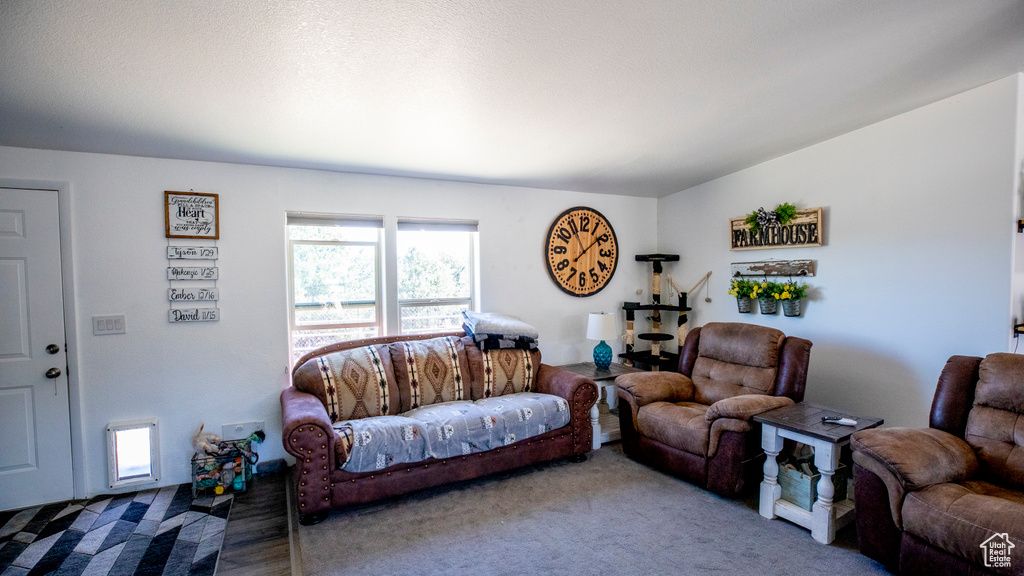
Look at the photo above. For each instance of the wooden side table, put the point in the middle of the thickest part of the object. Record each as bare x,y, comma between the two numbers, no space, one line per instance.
604,379
802,422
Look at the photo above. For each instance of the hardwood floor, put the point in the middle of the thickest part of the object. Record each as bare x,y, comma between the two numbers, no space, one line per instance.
256,540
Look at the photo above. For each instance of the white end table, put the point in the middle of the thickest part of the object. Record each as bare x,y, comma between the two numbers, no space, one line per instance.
802,422
605,379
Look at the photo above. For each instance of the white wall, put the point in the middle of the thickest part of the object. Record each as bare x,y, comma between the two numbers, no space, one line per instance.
233,370
916,266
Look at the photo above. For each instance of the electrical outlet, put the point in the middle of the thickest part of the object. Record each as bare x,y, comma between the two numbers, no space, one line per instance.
241,431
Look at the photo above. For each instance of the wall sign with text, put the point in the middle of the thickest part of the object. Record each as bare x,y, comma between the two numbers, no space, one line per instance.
192,270
193,294
191,215
192,253
804,230
178,315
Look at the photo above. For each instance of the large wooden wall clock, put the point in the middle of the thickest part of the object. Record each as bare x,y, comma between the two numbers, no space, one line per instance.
581,251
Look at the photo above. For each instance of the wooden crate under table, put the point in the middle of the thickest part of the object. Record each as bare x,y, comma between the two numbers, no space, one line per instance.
802,490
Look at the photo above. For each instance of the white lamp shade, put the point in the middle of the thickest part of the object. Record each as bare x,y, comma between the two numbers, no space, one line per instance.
602,326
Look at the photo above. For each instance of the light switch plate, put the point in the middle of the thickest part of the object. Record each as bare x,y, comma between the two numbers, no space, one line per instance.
104,325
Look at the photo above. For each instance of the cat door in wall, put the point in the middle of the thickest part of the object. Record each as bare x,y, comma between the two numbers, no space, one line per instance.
133,453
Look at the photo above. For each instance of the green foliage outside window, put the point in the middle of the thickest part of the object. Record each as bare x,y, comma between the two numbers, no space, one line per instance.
424,275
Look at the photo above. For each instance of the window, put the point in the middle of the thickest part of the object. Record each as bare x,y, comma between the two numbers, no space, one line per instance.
339,290
435,274
335,287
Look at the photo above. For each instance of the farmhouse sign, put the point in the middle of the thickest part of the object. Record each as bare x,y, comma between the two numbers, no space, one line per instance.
191,215
179,315
802,231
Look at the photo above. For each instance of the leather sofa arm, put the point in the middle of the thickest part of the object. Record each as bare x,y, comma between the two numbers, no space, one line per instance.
893,487
301,409
916,457
745,406
907,459
307,435
580,392
642,388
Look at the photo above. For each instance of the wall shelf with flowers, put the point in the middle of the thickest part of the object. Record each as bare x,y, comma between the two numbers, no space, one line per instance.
769,295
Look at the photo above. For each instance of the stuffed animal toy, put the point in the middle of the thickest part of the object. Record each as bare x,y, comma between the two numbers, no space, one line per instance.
208,443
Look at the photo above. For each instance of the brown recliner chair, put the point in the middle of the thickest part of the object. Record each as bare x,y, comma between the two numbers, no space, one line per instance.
696,423
949,499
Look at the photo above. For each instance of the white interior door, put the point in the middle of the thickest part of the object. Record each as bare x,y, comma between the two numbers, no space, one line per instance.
35,430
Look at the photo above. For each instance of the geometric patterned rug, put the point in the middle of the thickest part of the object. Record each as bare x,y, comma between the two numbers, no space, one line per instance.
155,532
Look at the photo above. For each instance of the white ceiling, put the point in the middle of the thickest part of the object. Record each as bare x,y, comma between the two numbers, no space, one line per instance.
644,98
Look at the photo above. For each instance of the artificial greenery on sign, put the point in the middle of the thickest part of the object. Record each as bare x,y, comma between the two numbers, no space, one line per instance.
761,218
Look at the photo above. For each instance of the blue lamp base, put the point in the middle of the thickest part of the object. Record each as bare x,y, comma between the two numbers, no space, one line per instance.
603,355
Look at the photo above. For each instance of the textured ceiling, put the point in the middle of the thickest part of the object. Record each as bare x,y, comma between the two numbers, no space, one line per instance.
644,98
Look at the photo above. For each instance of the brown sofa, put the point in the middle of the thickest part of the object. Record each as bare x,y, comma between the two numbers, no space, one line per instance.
696,424
937,500
335,386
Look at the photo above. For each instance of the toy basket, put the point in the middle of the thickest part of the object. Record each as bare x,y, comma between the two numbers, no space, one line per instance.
227,472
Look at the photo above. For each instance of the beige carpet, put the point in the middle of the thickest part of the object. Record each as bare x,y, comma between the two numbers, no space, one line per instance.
608,515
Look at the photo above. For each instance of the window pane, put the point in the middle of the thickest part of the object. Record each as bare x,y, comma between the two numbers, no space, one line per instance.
337,275
333,233
434,265
304,341
423,319
334,313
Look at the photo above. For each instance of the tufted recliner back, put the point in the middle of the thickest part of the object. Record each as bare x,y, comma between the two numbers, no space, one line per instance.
995,423
734,359
728,359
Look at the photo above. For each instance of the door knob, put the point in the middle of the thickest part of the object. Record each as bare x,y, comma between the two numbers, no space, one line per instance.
53,373
53,348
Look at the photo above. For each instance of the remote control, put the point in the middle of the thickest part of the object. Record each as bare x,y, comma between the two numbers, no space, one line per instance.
839,420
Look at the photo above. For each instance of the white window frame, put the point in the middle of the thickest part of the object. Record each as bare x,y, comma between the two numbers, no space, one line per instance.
341,221
424,224
388,306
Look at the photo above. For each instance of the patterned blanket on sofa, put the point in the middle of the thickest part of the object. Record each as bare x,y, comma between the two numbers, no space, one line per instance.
449,429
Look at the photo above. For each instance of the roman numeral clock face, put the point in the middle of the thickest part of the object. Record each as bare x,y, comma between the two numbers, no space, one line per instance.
581,251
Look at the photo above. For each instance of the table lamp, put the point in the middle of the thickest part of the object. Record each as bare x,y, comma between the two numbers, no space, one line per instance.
601,326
